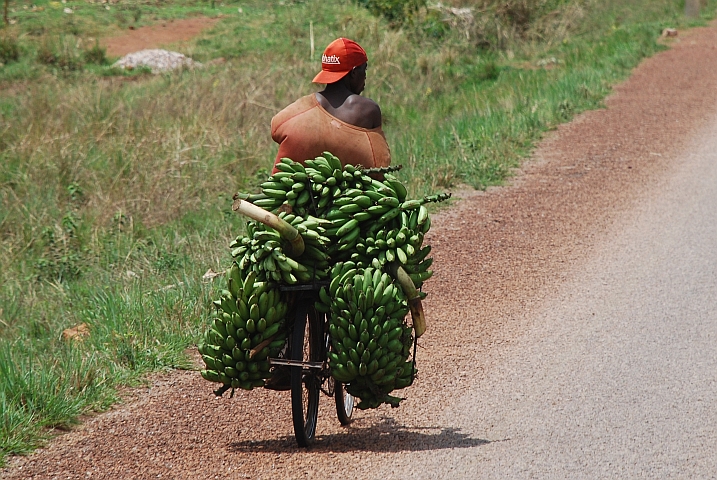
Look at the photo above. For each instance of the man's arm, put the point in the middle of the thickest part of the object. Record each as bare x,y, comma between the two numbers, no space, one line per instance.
374,114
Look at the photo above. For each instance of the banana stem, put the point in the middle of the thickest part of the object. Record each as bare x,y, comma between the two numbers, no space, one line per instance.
414,299
287,232
261,346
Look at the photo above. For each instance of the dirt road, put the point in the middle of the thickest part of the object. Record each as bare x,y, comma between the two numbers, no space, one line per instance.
155,36
518,378
615,375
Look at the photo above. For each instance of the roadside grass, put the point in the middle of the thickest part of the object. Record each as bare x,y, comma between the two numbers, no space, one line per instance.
52,42
115,191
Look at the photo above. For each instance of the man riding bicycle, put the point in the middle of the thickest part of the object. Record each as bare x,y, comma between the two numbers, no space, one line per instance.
338,120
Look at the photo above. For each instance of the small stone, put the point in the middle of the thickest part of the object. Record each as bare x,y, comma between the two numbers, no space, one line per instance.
211,275
76,333
669,32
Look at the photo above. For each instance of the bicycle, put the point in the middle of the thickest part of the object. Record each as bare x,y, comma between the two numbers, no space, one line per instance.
310,374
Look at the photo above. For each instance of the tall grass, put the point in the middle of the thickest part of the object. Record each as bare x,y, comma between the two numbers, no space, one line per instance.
115,191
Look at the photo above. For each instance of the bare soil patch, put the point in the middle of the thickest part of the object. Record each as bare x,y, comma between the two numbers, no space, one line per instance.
498,254
155,36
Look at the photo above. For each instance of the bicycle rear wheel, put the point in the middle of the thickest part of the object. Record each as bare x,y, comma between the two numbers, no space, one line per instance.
344,403
305,382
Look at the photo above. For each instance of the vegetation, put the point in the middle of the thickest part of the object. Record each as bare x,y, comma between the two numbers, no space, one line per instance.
115,189
397,12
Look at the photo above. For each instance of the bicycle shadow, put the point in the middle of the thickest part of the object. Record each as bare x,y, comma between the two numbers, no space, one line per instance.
385,436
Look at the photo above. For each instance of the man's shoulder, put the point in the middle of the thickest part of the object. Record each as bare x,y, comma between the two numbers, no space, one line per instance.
300,106
362,102
303,103
367,108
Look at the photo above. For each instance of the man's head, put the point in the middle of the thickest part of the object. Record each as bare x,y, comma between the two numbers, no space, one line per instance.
341,58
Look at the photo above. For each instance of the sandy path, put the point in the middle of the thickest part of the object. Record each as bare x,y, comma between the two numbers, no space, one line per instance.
156,36
499,257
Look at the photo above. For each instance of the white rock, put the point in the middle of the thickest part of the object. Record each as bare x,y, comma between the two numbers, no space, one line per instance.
157,60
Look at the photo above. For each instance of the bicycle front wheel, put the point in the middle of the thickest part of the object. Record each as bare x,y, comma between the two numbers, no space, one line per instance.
305,382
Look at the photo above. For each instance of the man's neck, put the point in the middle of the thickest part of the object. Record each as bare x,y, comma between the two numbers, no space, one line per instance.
336,94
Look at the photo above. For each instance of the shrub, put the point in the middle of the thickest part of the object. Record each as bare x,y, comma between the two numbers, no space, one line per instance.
490,71
96,55
46,55
9,49
69,61
502,24
434,25
67,57
61,257
395,11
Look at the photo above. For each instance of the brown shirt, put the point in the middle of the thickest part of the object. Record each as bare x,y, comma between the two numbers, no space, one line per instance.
304,130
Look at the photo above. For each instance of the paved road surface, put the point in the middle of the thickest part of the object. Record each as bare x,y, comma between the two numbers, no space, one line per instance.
617,378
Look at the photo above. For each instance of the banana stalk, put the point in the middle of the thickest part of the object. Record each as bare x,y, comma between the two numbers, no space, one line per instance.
414,298
261,346
285,229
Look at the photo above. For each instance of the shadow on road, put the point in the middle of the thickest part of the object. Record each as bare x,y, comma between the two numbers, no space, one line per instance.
384,436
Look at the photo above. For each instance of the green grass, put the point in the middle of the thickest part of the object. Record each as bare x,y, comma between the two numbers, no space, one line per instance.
53,42
114,188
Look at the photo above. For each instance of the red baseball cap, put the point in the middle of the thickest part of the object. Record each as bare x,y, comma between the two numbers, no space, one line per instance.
338,59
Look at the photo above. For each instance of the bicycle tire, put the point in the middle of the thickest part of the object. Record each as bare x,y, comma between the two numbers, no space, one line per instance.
305,385
344,403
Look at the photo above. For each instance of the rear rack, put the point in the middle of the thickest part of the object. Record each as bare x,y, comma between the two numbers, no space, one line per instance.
305,287
296,363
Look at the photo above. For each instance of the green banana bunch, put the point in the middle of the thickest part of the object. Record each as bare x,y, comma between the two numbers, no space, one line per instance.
290,186
369,206
309,188
402,245
247,327
356,228
370,341
262,251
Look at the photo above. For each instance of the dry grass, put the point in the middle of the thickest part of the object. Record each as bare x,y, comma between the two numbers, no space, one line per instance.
509,24
153,148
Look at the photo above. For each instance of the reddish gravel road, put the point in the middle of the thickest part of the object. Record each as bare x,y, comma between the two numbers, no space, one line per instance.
499,255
